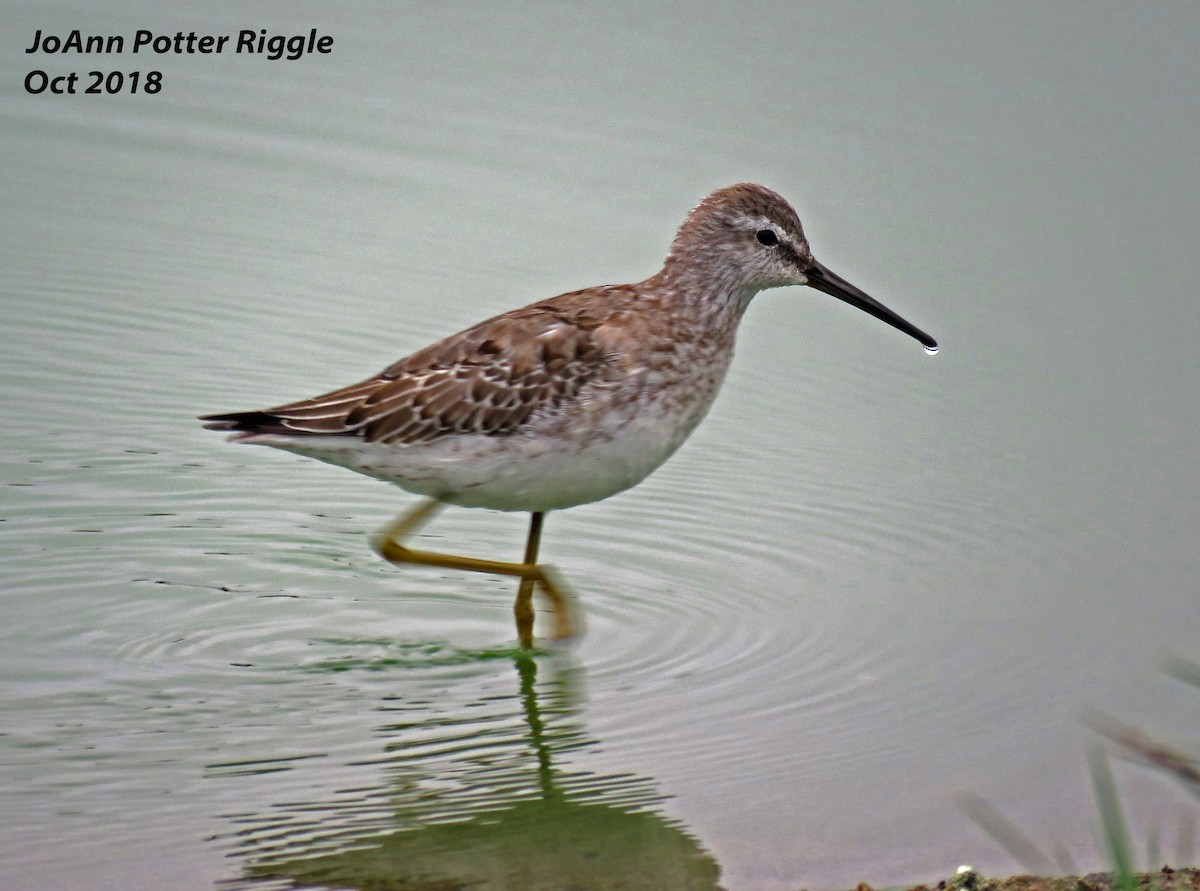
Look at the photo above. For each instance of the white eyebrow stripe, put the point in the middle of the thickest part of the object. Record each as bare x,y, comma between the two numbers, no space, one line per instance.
759,223
748,222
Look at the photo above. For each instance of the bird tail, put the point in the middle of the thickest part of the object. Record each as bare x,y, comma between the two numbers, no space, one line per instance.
245,423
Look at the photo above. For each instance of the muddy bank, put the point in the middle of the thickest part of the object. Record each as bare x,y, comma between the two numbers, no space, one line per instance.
1167,879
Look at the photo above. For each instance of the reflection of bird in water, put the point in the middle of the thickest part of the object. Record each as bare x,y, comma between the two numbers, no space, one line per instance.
564,830
566,401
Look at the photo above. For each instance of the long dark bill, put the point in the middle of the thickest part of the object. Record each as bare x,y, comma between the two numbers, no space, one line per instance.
834,285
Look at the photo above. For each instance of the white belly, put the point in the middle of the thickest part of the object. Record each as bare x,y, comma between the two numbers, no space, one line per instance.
534,471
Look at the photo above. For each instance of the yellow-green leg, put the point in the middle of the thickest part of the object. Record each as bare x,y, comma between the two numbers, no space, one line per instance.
532,574
523,606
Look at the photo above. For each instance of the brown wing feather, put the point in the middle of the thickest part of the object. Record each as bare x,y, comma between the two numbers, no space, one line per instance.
489,379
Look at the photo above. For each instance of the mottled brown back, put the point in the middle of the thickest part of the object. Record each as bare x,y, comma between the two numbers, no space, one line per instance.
490,379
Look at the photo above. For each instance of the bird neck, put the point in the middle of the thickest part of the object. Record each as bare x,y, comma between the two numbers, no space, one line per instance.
715,294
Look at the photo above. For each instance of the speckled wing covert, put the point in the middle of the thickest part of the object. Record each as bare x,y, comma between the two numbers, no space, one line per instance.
490,379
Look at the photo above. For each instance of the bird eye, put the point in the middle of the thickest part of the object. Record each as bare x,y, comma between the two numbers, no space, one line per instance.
767,237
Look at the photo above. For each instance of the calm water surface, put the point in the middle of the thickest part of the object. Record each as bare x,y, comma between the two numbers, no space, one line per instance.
871,582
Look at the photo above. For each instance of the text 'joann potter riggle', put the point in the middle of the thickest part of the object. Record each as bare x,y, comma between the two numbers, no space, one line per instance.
273,46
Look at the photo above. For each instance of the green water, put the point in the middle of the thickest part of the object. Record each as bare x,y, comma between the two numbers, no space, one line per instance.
873,579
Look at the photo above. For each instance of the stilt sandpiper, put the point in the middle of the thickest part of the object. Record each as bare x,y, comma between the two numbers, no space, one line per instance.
565,401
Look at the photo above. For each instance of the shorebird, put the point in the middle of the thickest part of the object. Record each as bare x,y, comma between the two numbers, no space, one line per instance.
565,401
